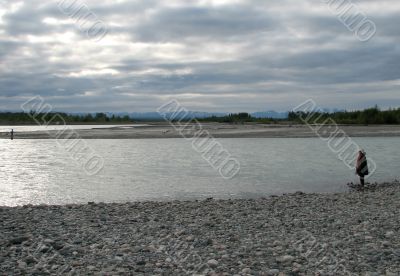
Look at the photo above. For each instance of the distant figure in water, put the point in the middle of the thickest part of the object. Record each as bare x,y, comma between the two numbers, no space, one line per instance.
12,134
362,166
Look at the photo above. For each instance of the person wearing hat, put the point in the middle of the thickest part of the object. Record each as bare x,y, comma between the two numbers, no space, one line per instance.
362,166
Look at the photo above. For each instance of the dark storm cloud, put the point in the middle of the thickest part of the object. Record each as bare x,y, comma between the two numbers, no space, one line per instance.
211,55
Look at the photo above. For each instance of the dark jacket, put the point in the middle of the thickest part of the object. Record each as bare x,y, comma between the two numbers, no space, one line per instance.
362,165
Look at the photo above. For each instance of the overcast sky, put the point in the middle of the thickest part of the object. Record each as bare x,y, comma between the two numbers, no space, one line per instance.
211,55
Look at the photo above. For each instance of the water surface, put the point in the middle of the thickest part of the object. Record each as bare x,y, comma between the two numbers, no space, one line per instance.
39,171
33,128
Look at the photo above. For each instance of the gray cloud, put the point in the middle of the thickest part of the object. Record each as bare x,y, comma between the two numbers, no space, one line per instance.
211,55
223,23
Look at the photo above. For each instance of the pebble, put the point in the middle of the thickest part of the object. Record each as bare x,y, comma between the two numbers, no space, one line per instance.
48,241
283,235
22,264
389,234
273,272
285,259
190,238
19,240
212,263
246,270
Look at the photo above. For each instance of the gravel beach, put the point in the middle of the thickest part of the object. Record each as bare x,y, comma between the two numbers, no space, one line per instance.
353,233
217,130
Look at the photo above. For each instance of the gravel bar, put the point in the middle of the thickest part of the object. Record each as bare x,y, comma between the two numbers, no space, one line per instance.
353,233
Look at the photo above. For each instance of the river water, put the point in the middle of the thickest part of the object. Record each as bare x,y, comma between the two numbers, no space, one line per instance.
40,171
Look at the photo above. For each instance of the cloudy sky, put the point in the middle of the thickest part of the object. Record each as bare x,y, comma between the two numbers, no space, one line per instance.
211,55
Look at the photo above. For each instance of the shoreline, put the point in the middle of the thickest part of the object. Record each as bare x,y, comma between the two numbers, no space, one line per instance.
292,234
216,130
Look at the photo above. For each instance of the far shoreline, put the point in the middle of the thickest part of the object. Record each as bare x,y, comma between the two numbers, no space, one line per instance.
162,130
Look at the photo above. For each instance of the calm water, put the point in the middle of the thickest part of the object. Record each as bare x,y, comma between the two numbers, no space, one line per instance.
30,128
39,171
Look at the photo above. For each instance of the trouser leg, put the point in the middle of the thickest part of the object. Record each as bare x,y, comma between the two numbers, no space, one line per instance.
362,180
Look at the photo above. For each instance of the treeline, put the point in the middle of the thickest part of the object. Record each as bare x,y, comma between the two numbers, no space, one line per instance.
242,117
365,117
57,118
368,116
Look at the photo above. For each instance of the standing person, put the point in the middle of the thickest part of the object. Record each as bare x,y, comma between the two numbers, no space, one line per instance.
12,134
362,166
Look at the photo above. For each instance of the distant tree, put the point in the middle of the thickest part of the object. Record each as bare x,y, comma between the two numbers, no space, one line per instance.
368,116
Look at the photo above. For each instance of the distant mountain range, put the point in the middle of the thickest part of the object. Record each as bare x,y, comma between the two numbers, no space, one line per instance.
270,114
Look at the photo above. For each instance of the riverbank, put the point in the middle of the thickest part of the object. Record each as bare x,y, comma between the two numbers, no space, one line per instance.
217,130
296,234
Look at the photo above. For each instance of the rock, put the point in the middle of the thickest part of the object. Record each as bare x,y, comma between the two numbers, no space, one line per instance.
58,245
76,263
297,265
273,272
207,242
30,260
295,270
66,250
369,273
212,263
22,264
246,270
386,243
20,239
285,259
190,238
48,241
389,234
43,248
